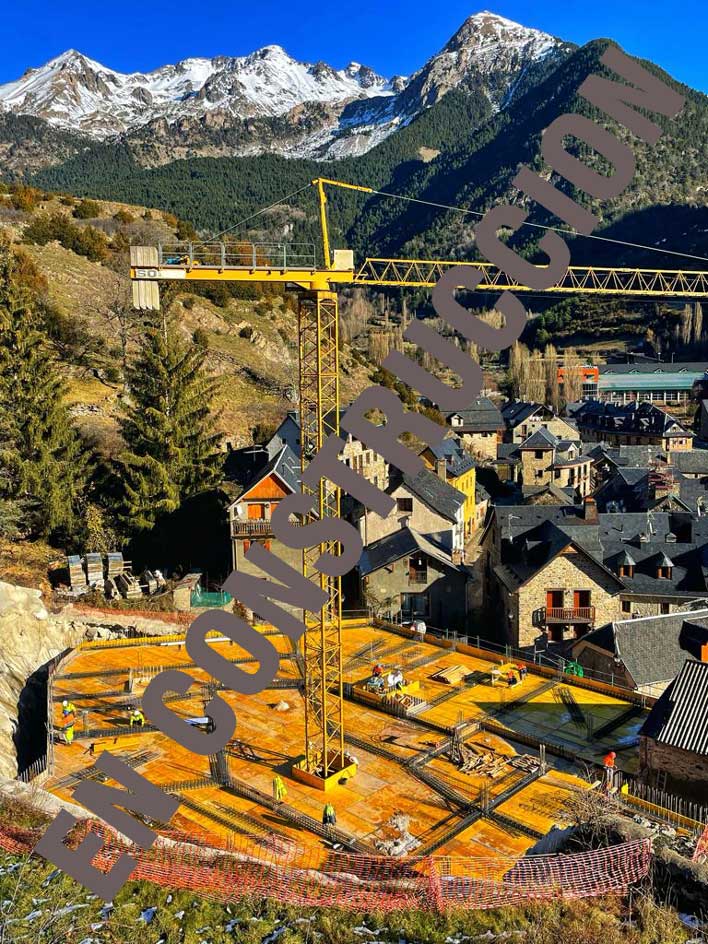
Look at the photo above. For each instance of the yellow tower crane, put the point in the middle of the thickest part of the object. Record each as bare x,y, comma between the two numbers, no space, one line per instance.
318,335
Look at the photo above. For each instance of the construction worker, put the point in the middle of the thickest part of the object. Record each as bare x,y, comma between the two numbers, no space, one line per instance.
69,732
609,765
137,717
67,708
279,791
378,670
329,817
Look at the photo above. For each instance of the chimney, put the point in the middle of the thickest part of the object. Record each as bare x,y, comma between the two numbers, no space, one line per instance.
441,469
590,510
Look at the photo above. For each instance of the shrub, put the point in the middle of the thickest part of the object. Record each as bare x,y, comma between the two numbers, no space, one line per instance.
188,302
83,240
112,374
123,216
246,332
201,338
87,210
185,230
25,198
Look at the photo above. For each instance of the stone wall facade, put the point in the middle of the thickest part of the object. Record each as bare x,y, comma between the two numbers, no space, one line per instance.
570,571
421,518
682,767
481,444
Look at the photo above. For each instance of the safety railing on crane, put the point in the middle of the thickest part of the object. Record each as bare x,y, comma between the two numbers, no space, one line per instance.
237,255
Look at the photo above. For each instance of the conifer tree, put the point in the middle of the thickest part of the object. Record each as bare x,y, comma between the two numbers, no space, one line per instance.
44,462
172,450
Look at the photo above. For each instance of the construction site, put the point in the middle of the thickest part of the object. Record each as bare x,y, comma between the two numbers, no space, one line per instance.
383,766
455,777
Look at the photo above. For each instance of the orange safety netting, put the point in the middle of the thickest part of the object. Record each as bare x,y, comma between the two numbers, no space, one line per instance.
298,875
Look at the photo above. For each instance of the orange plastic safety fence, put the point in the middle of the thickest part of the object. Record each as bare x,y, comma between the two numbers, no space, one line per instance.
297,875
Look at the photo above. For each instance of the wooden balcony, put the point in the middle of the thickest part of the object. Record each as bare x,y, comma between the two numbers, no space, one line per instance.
564,614
251,528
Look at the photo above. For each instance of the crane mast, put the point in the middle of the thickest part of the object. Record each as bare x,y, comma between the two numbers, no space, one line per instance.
318,341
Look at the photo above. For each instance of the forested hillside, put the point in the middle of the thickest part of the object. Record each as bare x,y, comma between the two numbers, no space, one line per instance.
438,157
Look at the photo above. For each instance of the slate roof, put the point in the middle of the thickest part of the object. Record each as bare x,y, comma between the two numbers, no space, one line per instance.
693,462
457,459
680,717
541,439
516,411
401,543
633,418
531,535
481,416
651,647
285,464
439,496
632,489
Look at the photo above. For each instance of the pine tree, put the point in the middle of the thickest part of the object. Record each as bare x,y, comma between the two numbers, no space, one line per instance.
45,464
172,450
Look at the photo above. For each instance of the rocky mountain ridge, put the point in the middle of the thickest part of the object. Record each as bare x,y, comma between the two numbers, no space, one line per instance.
268,101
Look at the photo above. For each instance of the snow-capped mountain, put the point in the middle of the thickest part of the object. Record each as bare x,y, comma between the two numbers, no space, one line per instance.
77,94
268,101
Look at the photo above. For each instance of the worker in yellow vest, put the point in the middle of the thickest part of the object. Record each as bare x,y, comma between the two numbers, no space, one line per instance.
279,791
67,708
137,717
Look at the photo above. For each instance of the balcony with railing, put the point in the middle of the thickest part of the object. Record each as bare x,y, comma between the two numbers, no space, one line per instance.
251,528
547,615
418,577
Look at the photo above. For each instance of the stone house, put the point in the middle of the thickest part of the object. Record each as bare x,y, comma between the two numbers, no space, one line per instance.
454,461
547,460
523,418
636,423
673,742
480,427
406,576
643,654
425,503
556,572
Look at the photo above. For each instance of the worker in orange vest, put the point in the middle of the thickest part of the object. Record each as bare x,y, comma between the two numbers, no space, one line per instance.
609,764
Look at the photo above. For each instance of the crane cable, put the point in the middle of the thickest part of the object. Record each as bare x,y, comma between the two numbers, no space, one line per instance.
454,209
258,213
557,229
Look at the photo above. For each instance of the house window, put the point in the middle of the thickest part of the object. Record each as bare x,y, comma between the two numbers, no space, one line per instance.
665,609
626,570
414,605
404,504
664,572
418,569
538,454
626,606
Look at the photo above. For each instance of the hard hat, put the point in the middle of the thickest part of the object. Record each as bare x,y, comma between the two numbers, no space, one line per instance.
64,703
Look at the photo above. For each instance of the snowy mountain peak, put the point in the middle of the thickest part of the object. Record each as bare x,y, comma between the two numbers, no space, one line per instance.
321,111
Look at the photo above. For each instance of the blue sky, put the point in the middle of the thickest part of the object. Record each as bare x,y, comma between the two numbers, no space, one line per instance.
393,37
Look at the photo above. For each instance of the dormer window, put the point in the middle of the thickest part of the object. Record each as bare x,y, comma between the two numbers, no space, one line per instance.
664,567
626,570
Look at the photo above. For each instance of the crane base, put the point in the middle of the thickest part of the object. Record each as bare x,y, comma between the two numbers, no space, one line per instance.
340,768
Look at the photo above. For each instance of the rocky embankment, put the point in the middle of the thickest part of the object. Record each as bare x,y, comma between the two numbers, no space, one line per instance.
30,636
